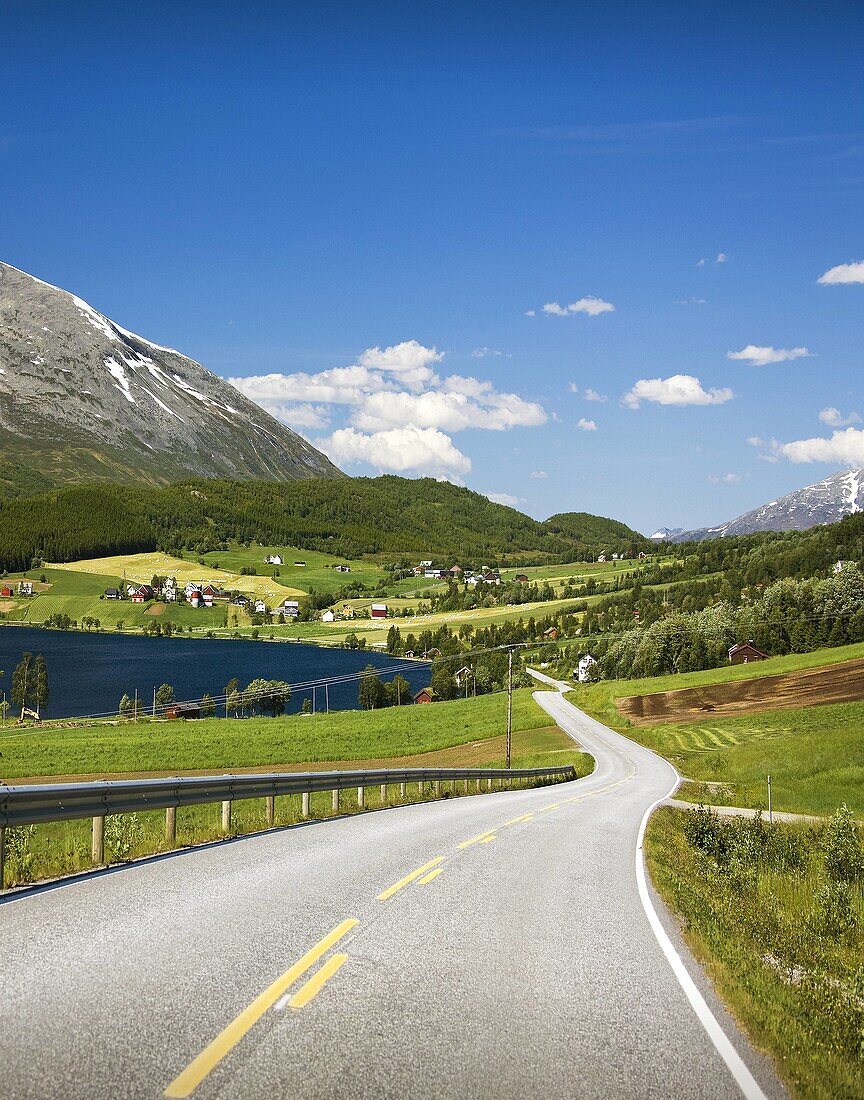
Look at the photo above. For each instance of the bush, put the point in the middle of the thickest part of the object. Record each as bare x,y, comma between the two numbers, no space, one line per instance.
21,859
842,847
122,832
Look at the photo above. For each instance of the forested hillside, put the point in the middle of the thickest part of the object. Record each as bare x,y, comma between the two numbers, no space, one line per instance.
597,531
346,517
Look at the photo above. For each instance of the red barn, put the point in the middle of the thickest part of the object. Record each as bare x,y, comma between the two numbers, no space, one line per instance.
745,652
425,695
378,611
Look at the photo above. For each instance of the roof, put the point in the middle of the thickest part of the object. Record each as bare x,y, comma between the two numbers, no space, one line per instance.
426,691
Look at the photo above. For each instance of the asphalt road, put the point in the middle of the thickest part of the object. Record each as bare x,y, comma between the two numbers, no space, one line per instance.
525,967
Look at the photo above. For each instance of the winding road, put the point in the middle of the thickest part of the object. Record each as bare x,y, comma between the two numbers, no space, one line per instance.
504,945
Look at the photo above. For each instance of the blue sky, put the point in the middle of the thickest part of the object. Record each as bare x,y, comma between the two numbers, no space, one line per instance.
288,190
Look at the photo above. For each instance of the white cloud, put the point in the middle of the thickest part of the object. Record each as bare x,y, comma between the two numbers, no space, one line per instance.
461,403
692,301
844,448
301,416
756,441
843,273
487,353
725,479
679,389
586,425
339,386
505,498
410,360
573,388
721,258
590,305
538,474
700,263
424,450
593,395
758,356
530,312
835,419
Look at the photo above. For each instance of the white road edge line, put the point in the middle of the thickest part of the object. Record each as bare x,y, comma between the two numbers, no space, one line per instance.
745,1080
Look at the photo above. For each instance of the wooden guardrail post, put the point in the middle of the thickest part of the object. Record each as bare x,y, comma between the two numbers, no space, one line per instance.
437,788
489,783
335,801
270,810
403,790
97,847
465,782
2,854
383,792
305,808
226,816
171,824
361,798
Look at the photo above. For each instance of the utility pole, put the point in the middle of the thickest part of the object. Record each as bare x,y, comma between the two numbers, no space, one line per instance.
327,697
770,809
135,711
509,704
154,702
313,699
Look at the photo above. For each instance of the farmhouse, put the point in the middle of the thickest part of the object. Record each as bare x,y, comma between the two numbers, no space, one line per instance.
492,577
273,559
745,652
5,592
378,611
110,594
551,633
25,588
290,609
343,568
463,674
260,607
425,695
142,593
520,578
327,617
241,601
183,710
169,590
347,611
584,669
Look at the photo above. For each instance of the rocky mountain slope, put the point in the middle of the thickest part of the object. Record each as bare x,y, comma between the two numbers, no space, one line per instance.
82,399
827,501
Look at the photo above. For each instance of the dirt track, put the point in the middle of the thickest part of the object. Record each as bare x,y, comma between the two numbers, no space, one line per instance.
811,687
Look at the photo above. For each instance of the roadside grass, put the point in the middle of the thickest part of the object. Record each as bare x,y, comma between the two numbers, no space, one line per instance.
64,847
225,743
778,924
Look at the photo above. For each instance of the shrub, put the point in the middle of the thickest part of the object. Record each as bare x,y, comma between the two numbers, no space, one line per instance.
122,831
842,847
21,859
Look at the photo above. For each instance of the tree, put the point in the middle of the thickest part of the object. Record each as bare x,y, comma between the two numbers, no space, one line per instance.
307,706
398,692
164,696
208,707
370,694
30,684
443,682
124,708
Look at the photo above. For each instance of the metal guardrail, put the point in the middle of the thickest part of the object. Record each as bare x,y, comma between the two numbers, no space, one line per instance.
38,804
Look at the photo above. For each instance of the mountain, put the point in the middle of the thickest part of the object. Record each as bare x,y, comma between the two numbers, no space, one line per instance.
666,534
348,517
83,399
825,502
598,532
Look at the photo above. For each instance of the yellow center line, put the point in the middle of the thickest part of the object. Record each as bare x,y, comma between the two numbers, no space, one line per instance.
397,886
481,838
487,839
307,991
428,878
516,820
191,1077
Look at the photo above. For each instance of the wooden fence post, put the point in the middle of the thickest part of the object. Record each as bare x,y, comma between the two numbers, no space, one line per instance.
97,848
305,809
226,816
270,809
171,824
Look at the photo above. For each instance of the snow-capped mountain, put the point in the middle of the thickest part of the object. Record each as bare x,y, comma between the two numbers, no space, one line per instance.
665,534
82,399
827,501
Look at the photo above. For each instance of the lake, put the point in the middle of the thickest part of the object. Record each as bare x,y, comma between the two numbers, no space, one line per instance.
88,673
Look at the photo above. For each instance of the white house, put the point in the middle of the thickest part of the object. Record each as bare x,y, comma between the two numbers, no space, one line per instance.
260,607
290,609
584,670
327,617
25,588
273,559
169,590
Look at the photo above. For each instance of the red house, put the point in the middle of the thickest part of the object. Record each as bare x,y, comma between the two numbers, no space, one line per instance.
5,592
425,695
745,652
142,593
378,611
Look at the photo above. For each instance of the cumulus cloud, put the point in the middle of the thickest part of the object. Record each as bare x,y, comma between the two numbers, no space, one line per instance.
424,450
756,441
724,479
530,312
487,353
721,258
586,425
388,398
758,356
538,474
593,395
678,389
835,419
843,273
844,448
505,498
590,305
573,388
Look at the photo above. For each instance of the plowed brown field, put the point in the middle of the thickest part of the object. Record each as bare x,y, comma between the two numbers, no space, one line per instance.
811,687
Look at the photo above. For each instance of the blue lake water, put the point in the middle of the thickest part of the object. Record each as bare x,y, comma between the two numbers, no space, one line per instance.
88,673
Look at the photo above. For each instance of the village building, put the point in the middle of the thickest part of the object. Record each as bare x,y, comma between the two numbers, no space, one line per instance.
601,558
584,669
290,609
260,607
183,710
347,611
327,617
342,568
745,652
492,577
521,578
462,675
273,559
425,695
5,592
25,588
241,601
113,594
456,570
142,593
378,611
169,590
551,633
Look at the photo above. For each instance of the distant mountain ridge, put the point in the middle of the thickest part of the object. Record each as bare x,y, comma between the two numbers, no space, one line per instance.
83,399
827,501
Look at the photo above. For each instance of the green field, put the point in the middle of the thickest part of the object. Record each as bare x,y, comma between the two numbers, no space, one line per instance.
318,573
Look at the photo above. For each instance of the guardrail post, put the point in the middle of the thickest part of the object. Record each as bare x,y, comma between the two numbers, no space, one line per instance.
383,792
97,848
437,788
2,854
305,808
336,801
489,783
465,782
226,816
361,798
403,790
171,824
270,809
